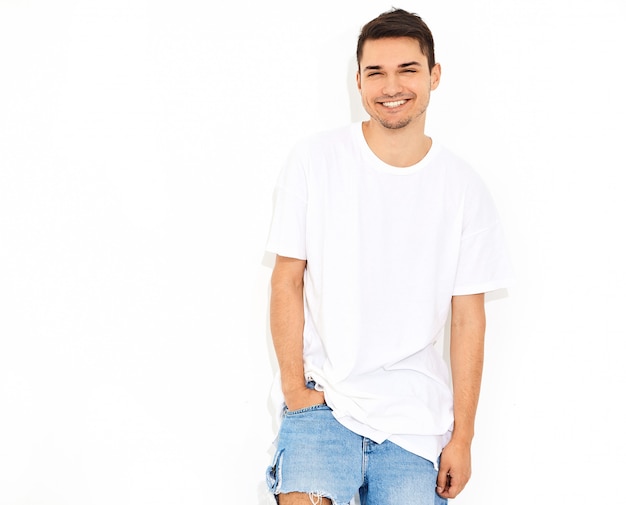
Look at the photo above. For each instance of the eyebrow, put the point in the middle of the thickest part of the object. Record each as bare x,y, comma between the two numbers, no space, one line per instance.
402,65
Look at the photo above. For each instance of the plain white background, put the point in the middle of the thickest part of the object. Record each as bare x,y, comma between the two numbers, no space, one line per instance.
139,144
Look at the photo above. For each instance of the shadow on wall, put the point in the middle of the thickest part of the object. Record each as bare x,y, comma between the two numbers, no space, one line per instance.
357,113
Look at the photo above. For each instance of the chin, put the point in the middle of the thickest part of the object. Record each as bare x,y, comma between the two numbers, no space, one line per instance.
394,125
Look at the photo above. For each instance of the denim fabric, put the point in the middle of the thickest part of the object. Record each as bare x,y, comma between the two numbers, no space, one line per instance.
315,454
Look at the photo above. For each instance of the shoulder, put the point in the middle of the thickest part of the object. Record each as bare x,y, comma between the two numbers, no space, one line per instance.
312,153
457,169
453,162
324,142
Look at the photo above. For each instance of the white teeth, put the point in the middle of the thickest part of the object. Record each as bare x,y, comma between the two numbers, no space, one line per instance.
394,104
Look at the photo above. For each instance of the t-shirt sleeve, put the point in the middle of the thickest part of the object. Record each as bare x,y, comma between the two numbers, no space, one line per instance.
287,234
484,263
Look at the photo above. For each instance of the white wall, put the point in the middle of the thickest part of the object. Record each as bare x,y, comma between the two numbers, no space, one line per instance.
139,144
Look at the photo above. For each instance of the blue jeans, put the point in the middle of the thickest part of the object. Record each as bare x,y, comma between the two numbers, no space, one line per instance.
317,455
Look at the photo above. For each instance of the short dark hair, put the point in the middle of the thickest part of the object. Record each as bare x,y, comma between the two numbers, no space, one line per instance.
398,23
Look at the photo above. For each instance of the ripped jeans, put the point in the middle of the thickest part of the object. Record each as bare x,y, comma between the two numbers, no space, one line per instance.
317,455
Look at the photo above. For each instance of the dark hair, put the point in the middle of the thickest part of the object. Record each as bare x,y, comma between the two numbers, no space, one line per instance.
398,23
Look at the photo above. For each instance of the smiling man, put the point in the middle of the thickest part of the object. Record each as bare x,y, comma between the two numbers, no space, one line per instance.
396,88
379,234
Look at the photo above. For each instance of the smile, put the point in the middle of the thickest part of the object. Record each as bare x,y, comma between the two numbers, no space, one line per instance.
391,105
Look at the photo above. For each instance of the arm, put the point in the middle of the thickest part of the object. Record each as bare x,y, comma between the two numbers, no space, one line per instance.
287,325
467,336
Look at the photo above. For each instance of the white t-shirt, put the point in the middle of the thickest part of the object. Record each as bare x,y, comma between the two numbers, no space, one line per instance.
386,249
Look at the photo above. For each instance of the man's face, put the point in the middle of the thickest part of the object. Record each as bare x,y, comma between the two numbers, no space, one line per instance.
395,82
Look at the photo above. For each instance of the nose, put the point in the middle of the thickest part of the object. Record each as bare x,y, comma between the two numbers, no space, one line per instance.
392,85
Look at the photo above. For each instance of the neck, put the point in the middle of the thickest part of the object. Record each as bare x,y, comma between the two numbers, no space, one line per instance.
401,148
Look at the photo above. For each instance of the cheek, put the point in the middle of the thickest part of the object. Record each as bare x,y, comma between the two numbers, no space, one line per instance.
367,92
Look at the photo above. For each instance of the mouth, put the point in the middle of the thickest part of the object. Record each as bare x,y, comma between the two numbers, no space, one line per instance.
393,105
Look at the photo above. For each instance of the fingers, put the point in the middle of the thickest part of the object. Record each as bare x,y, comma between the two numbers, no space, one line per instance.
443,483
449,486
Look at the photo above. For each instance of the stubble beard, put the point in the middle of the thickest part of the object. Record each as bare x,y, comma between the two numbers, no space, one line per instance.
396,125
401,123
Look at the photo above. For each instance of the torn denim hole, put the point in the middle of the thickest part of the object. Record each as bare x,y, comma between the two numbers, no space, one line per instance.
273,477
316,498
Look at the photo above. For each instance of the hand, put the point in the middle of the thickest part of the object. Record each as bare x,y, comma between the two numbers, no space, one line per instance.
455,469
302,398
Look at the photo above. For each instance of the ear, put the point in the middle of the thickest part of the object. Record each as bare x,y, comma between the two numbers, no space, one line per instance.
358,80
435,76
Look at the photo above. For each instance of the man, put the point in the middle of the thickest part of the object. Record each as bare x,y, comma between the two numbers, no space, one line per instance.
378,233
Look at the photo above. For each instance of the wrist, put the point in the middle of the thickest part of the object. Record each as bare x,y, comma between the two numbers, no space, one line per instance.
293,386
462,436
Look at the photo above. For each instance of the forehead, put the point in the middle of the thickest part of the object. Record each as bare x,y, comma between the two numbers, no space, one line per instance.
391,52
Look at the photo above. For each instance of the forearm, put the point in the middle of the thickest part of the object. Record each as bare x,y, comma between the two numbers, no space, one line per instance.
467,336
287,322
